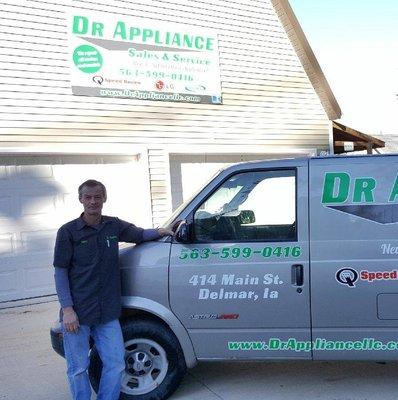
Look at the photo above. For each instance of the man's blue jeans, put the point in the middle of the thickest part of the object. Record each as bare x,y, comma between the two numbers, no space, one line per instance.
109,343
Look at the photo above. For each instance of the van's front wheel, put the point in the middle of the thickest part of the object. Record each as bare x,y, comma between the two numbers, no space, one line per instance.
155,364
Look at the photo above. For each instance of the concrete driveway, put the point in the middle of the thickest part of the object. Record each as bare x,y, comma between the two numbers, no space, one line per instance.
29,369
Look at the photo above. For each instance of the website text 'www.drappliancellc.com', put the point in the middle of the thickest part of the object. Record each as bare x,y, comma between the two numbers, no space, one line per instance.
292,344
141,95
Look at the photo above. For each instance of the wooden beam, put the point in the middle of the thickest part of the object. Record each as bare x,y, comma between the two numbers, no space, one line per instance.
340,143
361,136
369,148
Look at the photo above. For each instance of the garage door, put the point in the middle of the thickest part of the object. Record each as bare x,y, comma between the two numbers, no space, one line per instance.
39,193
183,167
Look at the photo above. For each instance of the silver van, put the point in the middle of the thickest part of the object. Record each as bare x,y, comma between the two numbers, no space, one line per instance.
271,260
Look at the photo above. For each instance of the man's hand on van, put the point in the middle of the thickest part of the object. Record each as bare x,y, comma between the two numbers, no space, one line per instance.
165,232
70,320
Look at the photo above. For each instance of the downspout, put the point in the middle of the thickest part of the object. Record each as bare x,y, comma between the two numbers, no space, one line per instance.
331,138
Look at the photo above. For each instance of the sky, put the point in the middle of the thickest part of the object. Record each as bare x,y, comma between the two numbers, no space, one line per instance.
356,45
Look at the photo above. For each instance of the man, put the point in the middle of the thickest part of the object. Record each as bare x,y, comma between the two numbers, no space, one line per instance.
87,280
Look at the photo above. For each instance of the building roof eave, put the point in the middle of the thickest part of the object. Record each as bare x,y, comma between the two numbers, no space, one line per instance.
343,134
307,58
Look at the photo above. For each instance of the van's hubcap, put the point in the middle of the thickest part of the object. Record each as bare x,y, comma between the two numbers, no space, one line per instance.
138,362
146,366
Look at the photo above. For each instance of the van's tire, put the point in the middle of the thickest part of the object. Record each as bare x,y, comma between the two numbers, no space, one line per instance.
155,363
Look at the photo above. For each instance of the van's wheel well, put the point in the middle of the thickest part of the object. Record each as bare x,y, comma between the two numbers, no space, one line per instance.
133,313
155,364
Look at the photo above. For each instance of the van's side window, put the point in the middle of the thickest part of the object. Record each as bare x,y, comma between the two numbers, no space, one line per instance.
250,206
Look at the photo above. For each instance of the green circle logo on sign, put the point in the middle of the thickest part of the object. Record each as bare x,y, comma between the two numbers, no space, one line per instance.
87,58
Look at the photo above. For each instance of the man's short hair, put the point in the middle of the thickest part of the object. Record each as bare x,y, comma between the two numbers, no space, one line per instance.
91,183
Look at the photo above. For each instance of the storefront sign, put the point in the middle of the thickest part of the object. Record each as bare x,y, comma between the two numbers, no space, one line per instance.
144,59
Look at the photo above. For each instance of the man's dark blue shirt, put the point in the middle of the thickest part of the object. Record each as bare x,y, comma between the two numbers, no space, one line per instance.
91,256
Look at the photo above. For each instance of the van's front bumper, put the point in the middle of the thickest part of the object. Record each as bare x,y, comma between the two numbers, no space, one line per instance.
57,341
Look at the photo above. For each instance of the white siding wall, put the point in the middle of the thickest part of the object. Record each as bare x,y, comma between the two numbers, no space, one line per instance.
158,160
268,100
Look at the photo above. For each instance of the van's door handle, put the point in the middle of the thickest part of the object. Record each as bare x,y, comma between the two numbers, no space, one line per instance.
297,275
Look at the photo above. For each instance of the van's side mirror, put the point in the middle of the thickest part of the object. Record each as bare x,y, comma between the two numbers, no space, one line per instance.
247,217
184,232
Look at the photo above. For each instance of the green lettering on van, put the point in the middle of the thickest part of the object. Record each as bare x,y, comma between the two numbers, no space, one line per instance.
274,343
336,187
394,191
363,190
